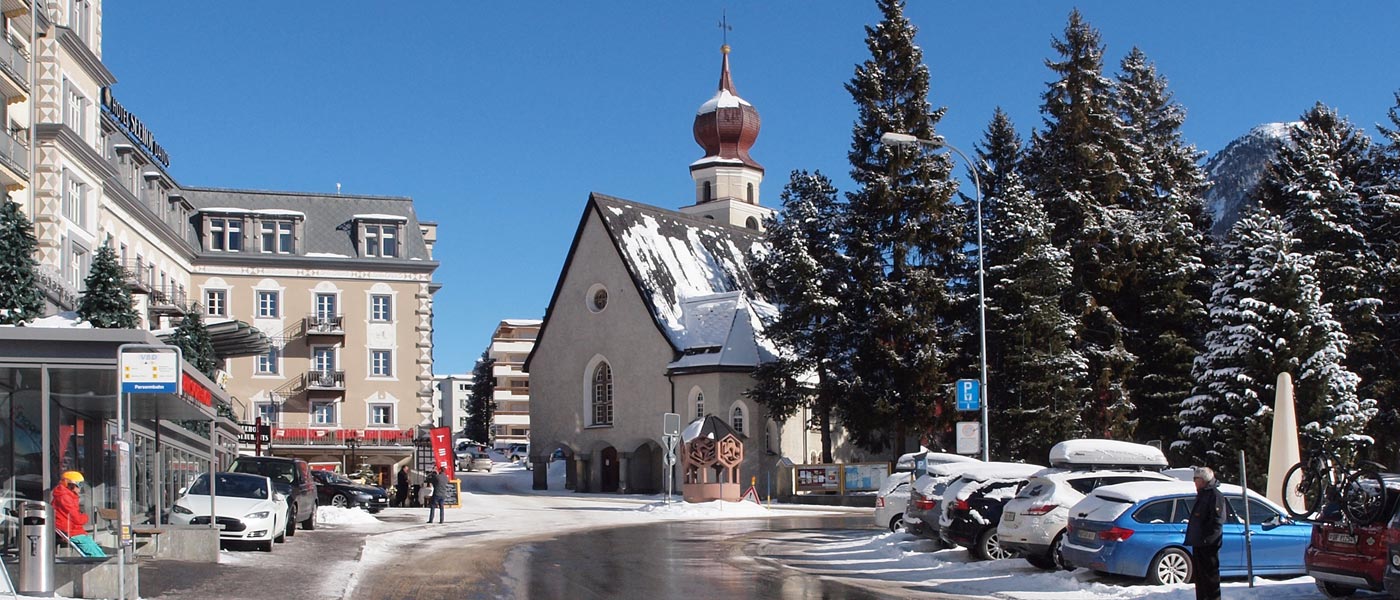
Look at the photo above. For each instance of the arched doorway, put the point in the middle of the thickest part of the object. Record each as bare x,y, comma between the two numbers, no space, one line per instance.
644,474
610,470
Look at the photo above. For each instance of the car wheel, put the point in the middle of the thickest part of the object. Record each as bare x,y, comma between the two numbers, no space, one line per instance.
292,520
1172,565
265,546
1335,590
310,523
988,548
1057,553
897,523
340,501
1040,561
281,537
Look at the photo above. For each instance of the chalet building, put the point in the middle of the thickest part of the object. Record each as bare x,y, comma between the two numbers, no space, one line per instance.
655,312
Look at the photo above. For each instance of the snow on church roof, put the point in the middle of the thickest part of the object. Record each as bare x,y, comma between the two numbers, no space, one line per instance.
695,278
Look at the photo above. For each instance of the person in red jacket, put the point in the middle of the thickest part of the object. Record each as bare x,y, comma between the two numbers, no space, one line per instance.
68,515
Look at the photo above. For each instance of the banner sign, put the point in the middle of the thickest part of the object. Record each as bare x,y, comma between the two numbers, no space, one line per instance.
150,372
443,457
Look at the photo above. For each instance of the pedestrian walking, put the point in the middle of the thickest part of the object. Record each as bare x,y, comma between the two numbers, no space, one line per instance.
401,488
439,498
69,517
1203,534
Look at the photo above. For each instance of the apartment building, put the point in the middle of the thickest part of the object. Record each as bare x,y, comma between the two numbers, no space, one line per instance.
452,395
511,343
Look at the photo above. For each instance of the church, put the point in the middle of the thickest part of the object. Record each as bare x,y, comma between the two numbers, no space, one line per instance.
654,312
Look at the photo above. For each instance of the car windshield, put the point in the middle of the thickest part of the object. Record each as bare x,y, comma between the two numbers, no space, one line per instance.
278,471
232,485
333,477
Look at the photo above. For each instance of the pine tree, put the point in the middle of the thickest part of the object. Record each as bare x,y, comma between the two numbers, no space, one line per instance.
805,273
1168,273
1080,166
1267,316
482,403
193,339
106,302
1381,205
21,300
1034,399
904,237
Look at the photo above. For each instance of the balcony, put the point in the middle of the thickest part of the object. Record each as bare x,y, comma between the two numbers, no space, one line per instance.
367,438
325,325
325,381
14,72
138,276
170,300
14,159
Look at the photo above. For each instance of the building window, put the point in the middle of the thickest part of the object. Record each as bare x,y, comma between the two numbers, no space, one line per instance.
216,303
323,414
751,193
74,109
268,301
226,234
600,299
269,363
74,200
323,359
520,387
326,308
602,395
381,308
277,237
78,261
268,412
381,363
736,419
381,415
78,11
708,192
382,240
751,223
699,405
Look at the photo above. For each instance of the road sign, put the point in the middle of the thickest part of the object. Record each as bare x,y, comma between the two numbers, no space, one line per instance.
670,424
968,394
149,372
969,437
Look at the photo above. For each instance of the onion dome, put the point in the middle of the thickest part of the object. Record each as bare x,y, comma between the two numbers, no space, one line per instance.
726,126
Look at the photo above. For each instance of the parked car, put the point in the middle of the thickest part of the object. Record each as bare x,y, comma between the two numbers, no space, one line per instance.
334,489
891,500
291,477
1139,529
1344,556
517,452
474,460
921,512
248,508
918,462
972,506
1033,523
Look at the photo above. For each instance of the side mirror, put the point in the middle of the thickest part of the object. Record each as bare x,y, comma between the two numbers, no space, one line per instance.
182,491
279,496
1273,522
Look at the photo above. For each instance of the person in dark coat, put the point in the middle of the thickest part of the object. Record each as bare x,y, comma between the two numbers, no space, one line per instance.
439,498
1203,534
401,487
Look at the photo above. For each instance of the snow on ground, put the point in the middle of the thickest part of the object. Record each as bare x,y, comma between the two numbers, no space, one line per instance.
903,564
334,515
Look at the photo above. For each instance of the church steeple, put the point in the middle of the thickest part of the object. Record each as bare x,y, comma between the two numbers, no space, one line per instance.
727,179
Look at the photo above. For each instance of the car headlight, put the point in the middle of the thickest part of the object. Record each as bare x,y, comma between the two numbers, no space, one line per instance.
363,495
177,509
262,514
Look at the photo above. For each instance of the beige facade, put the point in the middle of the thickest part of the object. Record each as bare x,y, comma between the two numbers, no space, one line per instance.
511,343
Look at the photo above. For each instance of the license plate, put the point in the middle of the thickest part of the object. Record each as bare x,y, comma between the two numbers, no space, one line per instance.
1084,535
1341,538
1011,516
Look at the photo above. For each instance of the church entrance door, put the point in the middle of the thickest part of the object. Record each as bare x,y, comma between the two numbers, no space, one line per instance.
610,470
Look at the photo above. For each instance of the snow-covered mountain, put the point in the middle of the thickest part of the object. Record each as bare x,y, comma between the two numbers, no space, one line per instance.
1235,171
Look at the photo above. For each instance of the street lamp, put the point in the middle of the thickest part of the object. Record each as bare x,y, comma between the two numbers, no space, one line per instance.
353,444
904,139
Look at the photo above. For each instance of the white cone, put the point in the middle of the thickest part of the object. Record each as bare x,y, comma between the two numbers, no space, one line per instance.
1283,443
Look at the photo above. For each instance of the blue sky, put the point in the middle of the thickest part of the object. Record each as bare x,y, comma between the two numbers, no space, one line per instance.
499,118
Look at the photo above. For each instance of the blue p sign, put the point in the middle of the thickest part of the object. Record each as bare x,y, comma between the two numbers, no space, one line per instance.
968,395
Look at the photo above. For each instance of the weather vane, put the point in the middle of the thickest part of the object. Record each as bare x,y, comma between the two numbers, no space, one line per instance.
724,26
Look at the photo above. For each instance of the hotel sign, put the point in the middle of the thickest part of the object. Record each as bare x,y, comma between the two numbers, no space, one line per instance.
135,127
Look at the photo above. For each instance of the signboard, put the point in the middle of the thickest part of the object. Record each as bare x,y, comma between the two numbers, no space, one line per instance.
443,457
865,477
253,434
969,437
670,424
818,478
454,494
968,393
150,372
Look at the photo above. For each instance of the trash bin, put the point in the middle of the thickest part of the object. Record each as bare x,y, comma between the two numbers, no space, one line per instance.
36,548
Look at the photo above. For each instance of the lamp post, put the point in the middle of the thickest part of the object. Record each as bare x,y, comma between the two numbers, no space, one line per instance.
353,444
904,139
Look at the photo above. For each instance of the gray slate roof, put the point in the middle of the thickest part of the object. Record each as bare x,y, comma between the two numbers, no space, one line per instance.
329,227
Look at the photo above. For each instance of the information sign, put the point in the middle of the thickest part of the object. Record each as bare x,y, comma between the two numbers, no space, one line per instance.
150,372
969,437
969,394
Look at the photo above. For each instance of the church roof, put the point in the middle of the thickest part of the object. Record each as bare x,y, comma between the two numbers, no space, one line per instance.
726,126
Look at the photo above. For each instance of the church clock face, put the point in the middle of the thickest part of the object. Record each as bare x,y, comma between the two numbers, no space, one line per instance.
597,298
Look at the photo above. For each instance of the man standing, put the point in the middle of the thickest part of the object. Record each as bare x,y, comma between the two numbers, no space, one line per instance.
68,515
401,488
439,498
1203,534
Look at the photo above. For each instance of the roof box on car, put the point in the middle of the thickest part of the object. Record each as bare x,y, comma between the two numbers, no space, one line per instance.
1106,454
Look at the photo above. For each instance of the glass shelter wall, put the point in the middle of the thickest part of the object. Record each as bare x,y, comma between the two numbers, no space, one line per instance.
21,445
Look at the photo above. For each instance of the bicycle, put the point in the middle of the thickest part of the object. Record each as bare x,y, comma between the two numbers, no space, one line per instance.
1309,486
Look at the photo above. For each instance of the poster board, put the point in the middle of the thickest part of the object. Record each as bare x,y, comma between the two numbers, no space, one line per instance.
454,497
865,477
817,478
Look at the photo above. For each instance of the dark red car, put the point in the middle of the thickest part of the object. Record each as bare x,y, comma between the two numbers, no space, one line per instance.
1344,556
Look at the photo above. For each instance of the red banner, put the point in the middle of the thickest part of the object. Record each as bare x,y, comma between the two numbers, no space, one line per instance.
197,391
442,451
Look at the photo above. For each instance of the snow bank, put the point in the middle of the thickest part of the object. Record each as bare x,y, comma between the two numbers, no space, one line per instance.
702,510
334,515
63,320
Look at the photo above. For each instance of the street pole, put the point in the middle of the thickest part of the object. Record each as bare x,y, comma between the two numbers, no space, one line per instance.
904,139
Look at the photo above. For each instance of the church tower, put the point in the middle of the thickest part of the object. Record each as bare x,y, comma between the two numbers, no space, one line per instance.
727,179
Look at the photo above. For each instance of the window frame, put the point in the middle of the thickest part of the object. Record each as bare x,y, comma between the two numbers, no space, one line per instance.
314,414
268,363
274,410
210,303
261,307
388,307
601,395
381,369
370,414
737,420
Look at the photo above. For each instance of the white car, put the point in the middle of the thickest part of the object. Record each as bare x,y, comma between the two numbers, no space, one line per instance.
890,502
1033,523
248,508
921,513
992,481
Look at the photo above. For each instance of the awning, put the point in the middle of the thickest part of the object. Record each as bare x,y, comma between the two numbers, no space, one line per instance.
230,338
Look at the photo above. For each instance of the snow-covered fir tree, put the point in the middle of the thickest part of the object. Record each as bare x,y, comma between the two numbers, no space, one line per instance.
193,339
805,272
105,301
21,300
1034,399
482,403
904,238
1381,205
1078,165
1267,316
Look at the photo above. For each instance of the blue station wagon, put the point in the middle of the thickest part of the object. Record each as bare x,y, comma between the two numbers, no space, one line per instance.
1138,529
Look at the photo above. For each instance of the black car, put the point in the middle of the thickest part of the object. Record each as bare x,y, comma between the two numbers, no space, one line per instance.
334,489
973,521
290,477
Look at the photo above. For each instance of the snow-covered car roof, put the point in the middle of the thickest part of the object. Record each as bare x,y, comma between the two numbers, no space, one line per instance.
1138,491
939,473
1059,474
999,470
893,481
1090,453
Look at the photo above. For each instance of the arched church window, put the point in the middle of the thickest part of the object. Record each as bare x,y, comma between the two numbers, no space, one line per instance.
699,405
602,394
736,419
751,193
751,223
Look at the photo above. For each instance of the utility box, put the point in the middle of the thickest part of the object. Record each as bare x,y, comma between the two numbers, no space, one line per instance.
36,549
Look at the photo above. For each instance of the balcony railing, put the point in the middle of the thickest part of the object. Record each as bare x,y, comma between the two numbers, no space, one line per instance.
325,325
15,151
14,62
138,276
325,380
170,299
366,438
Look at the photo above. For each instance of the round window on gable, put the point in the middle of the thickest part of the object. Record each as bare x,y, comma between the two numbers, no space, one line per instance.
597,298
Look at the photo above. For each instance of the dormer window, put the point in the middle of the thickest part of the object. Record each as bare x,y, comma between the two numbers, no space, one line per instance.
225,234
381,240
278,237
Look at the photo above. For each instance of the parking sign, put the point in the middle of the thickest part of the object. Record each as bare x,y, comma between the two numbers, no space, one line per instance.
968,394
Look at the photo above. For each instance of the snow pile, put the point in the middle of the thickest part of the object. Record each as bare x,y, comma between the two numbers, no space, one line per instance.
64,320
722,99
704,510
334,515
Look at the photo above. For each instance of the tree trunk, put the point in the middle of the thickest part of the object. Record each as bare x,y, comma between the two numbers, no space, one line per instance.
823,408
